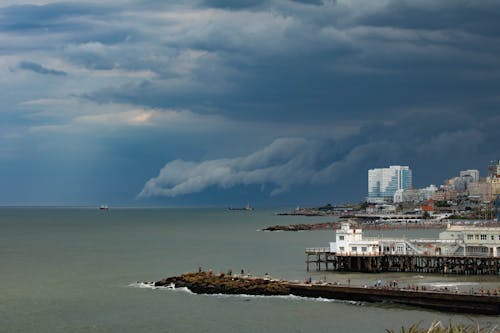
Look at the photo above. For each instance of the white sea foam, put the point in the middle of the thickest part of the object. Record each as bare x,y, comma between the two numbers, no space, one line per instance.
285,297
450,284
144,285
151,285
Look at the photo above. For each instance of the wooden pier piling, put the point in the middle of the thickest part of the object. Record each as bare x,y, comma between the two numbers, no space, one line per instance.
323,259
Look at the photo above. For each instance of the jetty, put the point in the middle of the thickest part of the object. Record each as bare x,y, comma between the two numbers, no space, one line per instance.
459,250
209,283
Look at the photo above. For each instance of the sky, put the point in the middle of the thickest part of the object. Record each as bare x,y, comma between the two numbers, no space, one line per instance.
223,103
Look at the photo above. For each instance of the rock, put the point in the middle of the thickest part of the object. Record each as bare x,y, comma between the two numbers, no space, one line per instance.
206,283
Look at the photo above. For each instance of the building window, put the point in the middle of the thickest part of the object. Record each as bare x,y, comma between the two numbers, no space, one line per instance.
363,249
483,237
341,237
492,237
341,249
354,249
470,237
477,237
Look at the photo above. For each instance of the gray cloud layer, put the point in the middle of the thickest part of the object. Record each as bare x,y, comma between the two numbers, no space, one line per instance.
37,68
356,83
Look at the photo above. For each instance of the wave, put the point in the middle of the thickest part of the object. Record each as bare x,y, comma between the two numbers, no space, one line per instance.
286,297
151,285
450,284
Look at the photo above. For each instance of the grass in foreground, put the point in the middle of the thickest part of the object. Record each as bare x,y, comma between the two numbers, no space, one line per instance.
438,327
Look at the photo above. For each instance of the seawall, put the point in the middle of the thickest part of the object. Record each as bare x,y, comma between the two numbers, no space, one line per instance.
207,283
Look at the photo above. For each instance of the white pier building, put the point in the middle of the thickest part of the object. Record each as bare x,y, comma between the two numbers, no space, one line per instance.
454,241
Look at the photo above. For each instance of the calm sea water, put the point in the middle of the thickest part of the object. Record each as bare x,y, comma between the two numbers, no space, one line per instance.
76,270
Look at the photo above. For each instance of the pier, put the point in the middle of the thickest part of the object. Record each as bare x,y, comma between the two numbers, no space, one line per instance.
459,250
322,259
208,283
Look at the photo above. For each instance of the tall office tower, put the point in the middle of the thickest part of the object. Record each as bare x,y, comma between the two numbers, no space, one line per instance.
384,182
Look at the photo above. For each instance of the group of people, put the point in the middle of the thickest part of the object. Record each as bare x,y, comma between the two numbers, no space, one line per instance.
228,273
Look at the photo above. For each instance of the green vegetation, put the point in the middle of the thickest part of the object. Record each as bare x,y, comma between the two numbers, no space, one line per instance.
438,327
441,204
363,205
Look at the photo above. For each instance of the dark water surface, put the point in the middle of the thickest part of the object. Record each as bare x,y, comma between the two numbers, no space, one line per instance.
75,270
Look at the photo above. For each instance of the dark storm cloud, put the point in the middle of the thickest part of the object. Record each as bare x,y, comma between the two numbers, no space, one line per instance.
282,64
228,4
412,81
310,2
475,17
54,16
37,68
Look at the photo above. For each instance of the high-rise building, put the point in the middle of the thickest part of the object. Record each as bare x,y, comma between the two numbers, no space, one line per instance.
384,182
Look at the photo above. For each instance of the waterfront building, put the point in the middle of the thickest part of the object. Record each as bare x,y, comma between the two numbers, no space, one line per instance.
494,168
479,191
381,209
426,192
459,184
471,175
398,196
444,194
495,186
454,241
414,195
384,182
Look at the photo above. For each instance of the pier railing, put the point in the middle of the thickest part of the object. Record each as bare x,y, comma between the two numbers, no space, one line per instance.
317,249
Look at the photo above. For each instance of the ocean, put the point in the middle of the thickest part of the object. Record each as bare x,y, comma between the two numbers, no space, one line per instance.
81,270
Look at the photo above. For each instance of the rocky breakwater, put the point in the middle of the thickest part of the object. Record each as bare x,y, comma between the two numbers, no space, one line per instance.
208,283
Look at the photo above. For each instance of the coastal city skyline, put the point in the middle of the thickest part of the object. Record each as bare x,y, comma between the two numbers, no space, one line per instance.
394,184
217,103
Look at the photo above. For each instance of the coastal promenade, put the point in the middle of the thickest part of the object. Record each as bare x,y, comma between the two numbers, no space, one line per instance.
209,283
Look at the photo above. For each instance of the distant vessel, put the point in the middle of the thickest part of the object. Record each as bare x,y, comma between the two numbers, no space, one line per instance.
103,207
247,207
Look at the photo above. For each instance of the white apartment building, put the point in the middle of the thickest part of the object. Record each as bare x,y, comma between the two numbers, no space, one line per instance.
384,182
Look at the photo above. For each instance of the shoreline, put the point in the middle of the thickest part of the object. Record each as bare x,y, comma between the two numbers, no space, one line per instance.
365,226
372,226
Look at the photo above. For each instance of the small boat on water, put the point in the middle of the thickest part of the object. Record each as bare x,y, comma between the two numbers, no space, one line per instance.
103,207
247,208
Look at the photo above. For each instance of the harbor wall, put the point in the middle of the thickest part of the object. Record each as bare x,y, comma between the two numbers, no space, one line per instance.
207,283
